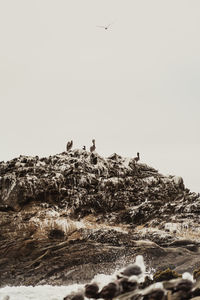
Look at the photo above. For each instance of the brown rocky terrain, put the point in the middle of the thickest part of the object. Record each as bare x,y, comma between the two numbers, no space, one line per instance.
67,217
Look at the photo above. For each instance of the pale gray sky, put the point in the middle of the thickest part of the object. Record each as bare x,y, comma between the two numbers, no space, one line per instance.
135,87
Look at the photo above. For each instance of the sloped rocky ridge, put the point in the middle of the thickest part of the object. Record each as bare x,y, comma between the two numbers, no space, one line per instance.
67,217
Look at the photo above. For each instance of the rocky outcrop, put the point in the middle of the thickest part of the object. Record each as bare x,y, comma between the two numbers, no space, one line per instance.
66,217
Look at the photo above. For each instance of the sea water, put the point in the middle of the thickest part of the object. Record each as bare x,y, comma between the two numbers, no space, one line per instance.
49,292
40,292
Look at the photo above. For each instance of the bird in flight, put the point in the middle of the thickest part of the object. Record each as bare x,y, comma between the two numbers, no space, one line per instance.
105,27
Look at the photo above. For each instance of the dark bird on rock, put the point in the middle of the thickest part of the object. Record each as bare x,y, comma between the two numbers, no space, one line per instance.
110,291
91,291
93,147
127,285
84,148
178,285
73,296
69,145
157,294
136,269
131,270
137,158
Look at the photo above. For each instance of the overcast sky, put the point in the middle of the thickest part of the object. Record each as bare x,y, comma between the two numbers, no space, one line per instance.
134,87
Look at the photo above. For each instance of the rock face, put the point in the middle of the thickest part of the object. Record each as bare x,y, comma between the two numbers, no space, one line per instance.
69,216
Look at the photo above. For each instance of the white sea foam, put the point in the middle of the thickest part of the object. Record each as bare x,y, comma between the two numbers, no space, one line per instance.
40,292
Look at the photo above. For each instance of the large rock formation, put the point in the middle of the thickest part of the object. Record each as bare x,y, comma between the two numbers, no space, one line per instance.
70,216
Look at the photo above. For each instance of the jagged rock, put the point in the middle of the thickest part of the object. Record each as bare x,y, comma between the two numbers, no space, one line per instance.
68,216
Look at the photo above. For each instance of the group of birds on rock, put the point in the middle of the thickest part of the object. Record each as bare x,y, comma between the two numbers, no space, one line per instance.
93,148
70,145
123,281
133,283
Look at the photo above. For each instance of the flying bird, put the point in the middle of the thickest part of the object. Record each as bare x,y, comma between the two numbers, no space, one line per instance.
105,27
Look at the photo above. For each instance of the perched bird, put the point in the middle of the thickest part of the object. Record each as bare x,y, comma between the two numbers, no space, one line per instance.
110,291
84,148
137,158
128,285
91,290
69,146
74,296
93,147
188,276
178,284
133,270
157,294
155,291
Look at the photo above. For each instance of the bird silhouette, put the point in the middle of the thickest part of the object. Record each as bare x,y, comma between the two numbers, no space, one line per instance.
93,147
137,158
105,27
136,269
69,146
91,290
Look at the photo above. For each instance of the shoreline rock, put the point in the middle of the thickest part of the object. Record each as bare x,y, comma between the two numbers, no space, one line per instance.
67,216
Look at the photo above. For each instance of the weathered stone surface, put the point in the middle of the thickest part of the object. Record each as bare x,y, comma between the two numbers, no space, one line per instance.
66,217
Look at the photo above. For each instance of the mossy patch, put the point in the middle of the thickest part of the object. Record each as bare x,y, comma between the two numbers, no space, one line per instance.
196,274
165,275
